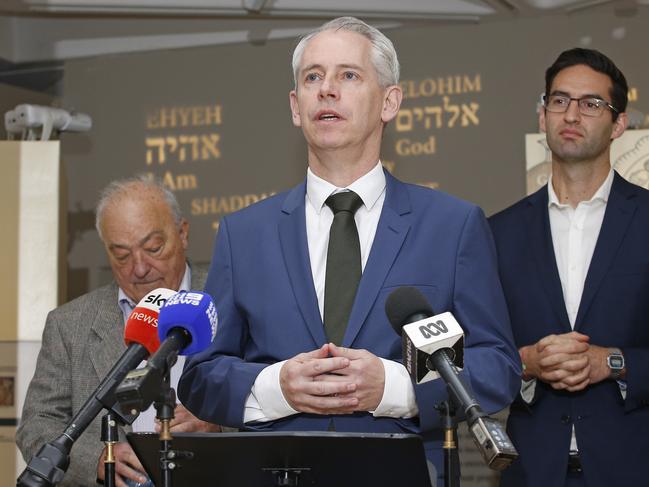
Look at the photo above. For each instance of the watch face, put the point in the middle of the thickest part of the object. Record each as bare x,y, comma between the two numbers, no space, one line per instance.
615,362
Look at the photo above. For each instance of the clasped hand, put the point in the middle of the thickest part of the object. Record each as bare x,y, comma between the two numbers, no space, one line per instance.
333,380
566,361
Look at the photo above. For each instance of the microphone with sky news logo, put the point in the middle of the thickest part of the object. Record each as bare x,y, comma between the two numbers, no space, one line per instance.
51,462
186,325
142,324
433,347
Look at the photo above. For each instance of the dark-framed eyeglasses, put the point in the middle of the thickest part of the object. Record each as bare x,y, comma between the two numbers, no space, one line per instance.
588,105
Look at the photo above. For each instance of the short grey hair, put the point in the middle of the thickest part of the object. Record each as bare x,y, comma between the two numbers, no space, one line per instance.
142,182
384,56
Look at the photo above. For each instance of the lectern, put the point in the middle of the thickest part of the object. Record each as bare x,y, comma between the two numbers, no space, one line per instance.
315,459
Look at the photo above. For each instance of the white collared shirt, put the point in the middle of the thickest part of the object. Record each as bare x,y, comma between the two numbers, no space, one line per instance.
146,420
574,235
266,401
371,189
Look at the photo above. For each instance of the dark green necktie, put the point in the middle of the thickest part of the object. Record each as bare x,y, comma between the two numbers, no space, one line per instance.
343,271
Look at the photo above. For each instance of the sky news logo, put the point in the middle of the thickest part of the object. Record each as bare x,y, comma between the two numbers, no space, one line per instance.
157,300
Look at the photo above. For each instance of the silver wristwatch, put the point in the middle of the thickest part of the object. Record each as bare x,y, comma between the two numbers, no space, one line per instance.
615,362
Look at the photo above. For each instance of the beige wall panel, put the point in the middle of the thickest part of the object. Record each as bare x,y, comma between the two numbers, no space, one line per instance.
38,236
30,246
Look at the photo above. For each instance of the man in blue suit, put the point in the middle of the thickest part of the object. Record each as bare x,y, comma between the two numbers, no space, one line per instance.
574,263
273,364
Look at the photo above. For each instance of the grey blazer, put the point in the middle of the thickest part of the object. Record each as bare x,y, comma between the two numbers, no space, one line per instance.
82,340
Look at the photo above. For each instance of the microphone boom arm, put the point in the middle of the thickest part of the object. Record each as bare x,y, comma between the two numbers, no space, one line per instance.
495,446
50,463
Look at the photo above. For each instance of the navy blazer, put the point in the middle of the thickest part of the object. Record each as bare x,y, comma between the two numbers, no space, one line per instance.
612,432
261,281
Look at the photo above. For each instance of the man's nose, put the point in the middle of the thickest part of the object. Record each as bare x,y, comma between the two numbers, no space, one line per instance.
329,88
140,265
572,113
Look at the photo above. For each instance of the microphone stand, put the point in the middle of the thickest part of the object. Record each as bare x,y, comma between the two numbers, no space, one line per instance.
150,384
165,404
451,460
109,435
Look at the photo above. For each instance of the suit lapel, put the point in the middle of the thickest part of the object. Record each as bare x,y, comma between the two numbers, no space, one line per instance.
107,345
540,238
390,234
293,240
620,209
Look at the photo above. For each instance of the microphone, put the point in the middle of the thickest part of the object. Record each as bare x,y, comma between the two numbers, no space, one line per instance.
142,324
408,310
432,347
187,325
49,465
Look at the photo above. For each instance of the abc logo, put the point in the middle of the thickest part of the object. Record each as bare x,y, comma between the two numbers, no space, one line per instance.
433,329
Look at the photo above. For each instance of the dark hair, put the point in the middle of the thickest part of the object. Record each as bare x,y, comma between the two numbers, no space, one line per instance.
597,62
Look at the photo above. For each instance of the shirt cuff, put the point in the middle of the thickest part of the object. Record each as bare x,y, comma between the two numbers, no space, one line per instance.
528,388
266,401
398,399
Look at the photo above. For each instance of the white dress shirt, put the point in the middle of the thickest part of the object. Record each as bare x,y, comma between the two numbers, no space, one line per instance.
574,235
146,420
266,401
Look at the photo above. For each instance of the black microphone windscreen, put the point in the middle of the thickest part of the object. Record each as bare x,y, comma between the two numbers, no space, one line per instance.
403,303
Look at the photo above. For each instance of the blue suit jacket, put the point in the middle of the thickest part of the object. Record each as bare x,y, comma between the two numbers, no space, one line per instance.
261,281
612,433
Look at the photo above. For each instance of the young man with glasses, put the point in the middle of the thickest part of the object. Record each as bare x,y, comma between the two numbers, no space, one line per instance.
574,263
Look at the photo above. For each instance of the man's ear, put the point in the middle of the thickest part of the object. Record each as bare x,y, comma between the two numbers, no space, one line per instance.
620,125
295,108
542,119
184,233
391,103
